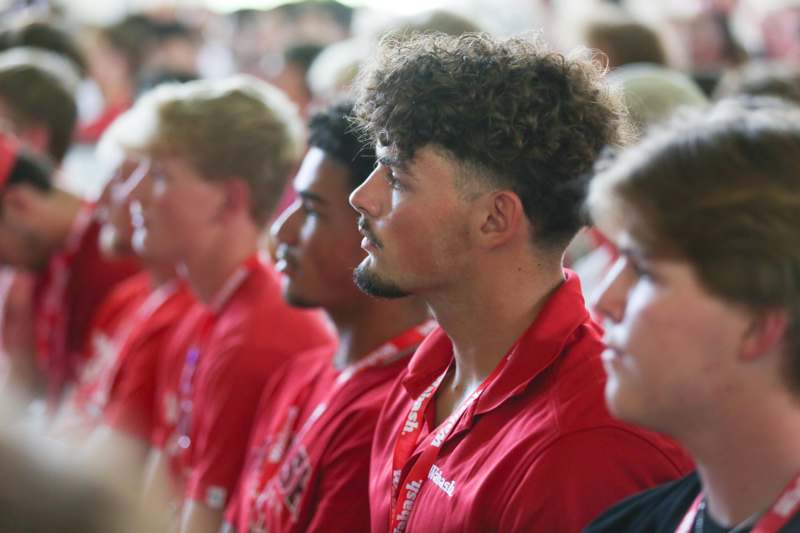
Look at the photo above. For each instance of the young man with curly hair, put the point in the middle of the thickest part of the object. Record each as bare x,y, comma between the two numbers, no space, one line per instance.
499,423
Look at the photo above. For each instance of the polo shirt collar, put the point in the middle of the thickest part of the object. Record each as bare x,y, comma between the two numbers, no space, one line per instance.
533,353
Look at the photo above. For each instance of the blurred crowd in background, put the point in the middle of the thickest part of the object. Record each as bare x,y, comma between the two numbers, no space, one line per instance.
311,50
665,56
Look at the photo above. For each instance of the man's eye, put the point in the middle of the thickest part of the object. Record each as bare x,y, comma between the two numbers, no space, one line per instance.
308,208
392,180
639,270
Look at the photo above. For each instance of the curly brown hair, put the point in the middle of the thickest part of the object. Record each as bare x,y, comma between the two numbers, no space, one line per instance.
521,116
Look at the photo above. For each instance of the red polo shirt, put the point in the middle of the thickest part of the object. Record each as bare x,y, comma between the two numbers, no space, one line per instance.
537,451
109,324
217,365
301,477
129,402
67,294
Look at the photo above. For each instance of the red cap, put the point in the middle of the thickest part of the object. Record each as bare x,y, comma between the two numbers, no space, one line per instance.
9,148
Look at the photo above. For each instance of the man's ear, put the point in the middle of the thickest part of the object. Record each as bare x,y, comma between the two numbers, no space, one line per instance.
502,217
237,196
765,334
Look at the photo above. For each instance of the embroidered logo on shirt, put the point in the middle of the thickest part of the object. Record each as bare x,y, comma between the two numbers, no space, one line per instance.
435,475
293,479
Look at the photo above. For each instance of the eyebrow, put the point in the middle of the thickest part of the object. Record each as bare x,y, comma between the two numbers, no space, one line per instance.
389,161
306,195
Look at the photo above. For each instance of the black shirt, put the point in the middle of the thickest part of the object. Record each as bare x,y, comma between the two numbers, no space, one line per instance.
660,510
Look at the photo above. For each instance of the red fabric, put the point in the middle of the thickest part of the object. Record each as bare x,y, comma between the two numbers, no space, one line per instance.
9,147
253,335
538,451
102,344
90,278
91,132
131,403
319,484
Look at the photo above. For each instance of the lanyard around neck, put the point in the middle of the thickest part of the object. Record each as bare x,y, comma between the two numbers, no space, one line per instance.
405,490
779,514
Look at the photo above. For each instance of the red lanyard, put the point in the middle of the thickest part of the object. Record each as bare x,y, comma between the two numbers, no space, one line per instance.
406,491
131,334
389,352
783,510
51,327
186,384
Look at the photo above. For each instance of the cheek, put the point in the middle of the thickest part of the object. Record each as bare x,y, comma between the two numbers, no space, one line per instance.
650,323
334,248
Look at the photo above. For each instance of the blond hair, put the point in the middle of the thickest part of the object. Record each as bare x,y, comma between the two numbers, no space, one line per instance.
239,127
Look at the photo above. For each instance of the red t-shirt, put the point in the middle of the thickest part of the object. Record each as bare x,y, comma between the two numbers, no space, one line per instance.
67,295
102,347
215,368
305,473
537,451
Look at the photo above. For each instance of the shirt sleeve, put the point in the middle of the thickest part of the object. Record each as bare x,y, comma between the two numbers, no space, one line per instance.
224,411
234,511
343,488
567,486
132,402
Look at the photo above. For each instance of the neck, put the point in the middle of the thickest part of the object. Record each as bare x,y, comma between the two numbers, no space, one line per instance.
365,327
209,269
748,455
486,316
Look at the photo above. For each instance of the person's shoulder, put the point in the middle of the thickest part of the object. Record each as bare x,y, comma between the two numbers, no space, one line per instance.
657,510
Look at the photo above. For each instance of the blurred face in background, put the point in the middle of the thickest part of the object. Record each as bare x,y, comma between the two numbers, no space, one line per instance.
113,208
318,243
175,211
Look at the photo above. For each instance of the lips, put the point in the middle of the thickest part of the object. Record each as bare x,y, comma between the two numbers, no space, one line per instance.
369,241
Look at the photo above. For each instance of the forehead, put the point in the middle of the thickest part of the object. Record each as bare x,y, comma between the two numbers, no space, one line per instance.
429,164
321,175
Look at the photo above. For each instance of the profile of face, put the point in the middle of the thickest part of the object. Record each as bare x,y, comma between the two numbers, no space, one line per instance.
113,208
24,212
174,211
415,223
318,244
671,344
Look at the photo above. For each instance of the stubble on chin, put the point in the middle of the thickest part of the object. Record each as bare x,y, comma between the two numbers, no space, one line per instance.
369,282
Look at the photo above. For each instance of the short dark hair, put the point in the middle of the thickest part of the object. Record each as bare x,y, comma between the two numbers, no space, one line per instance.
30,170
48,37
34,96
334,132
759,78
720,190
133,37
626,42
524,117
